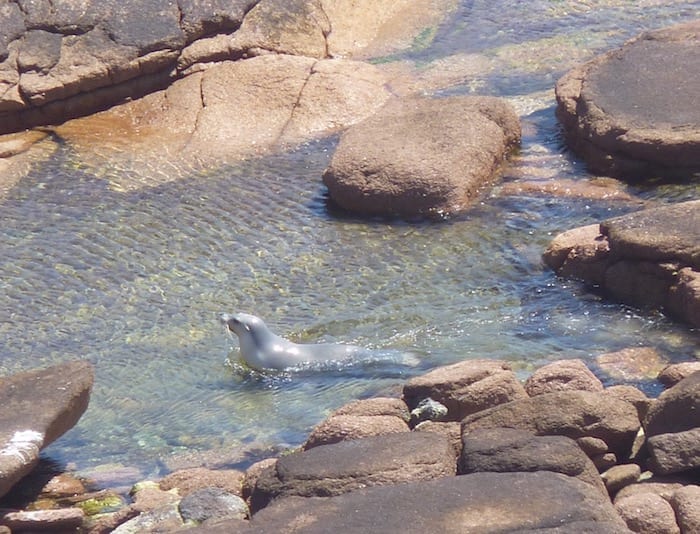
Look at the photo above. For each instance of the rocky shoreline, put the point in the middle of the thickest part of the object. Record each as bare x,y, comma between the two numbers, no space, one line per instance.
458,449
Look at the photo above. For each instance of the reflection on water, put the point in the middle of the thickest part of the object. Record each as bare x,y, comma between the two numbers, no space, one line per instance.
133,279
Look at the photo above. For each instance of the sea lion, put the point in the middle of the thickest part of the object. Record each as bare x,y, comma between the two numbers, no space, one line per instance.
261,349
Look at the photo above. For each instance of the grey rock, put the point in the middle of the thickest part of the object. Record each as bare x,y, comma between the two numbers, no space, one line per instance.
212,503
507,450
428,410
574,414
37,408
479,502
346,466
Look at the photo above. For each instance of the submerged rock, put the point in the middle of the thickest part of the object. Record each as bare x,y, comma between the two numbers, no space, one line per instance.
422,156
37,408
633,111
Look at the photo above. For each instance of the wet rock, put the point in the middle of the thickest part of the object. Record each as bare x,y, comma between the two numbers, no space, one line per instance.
567,188
632,364
186,481
674,373
38,407
507,450
574,414
346,466
421,156
562,375
148,496
347,427
649,258
165,519
465,387
620,115
65,520
647,513
212,503
488,502
686,504
619,476
672,427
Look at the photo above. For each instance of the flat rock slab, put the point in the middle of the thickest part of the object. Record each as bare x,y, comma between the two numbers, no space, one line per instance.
634,111
37,408
422,156
479,503
329,470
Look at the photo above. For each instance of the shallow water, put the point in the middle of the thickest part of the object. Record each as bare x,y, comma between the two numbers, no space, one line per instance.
133,279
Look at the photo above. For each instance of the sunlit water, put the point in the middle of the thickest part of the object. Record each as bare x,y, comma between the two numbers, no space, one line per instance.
134,281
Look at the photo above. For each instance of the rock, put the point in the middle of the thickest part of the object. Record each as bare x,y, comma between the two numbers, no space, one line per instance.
603,462
663,487
647,513
148,496
252,475
466,387
648,258
165,519
592,446
632,364
574,414
421,156
619,476
452,430
64,520
507,450
346,466
428,410
672,426
562,375
186,481
631,394
376,406
38,407
567,188
580,253
619,115
674,373
676,409
479,502
347,427
212,503
686,504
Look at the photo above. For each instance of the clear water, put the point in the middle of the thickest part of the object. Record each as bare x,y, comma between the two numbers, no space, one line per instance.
133,279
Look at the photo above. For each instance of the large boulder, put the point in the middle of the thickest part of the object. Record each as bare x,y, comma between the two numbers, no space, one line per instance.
37,408
574,414
672,427
562,375
346,466
421,156
633,111
508,450
479,502
466,387
647,258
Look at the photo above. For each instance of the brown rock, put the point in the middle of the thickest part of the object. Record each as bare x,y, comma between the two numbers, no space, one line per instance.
633,395
619,476
562,375
38,407
466,387
632,363
346,466
346,427
674,452
507,450
567,413
252,475
421,156
186,481
647,513
592,446
148,496
452,430
684,297
65,519
686,503
376,406
603,462
674,373
677,409
618,114
579,253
